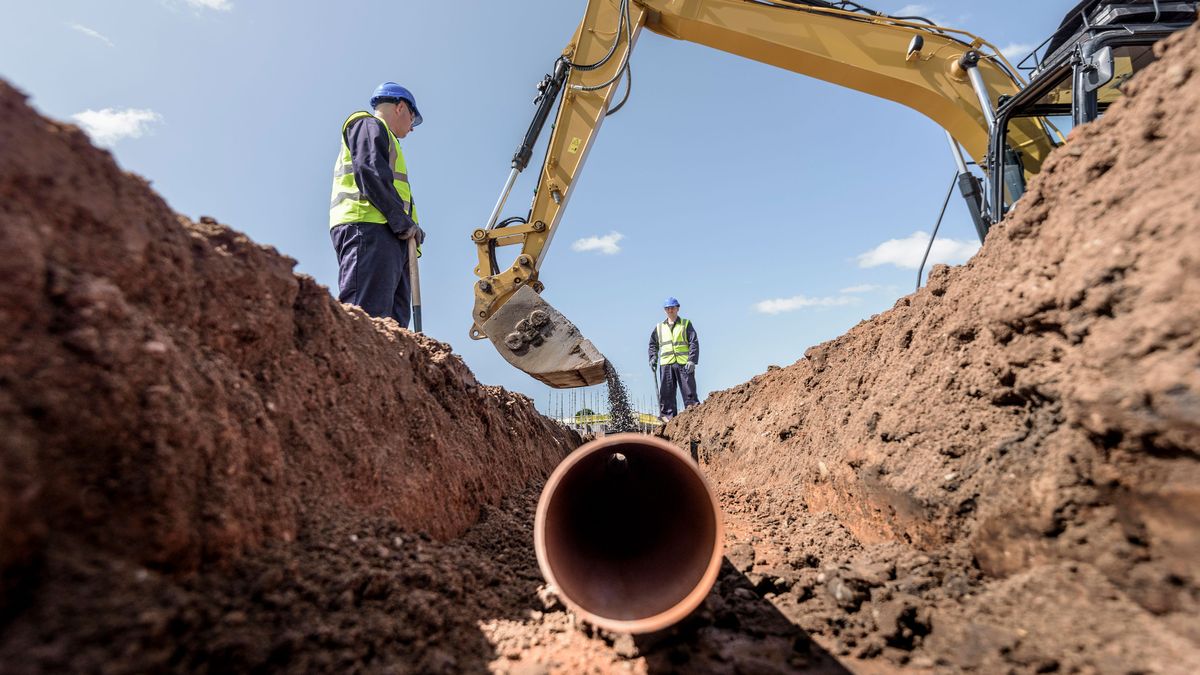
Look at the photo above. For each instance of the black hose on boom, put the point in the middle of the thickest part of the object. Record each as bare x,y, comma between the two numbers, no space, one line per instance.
548,90
848,6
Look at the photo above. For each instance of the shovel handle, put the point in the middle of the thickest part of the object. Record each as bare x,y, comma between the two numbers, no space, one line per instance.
657,394
414,279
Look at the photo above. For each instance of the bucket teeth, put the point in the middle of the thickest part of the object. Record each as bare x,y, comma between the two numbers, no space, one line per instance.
536,338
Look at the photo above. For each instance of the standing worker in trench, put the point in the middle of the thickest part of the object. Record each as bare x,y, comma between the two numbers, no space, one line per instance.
371,213
674,353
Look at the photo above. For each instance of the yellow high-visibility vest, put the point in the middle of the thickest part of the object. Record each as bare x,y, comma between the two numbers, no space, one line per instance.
348,204
673,343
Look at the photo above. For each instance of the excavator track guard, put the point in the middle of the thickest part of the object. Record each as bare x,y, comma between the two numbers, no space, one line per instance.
536,338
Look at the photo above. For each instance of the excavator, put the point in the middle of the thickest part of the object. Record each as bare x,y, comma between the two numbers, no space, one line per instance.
1005,124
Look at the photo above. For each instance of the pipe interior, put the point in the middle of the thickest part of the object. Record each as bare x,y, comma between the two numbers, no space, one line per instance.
629,542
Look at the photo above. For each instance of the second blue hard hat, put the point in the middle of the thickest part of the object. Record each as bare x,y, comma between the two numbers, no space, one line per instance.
390,91
670,302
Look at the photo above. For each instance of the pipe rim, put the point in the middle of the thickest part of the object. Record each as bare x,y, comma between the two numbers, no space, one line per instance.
685,606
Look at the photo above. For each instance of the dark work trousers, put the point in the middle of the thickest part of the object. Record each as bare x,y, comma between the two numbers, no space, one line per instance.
673,375
373,270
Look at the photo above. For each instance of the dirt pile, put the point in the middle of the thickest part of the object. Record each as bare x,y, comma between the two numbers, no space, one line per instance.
208,464
173,396
1003,471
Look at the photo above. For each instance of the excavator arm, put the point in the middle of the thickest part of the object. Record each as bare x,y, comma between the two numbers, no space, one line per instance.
925,67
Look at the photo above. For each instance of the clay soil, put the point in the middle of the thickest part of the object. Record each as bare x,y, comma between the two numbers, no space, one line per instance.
186,422
208,464
1001,472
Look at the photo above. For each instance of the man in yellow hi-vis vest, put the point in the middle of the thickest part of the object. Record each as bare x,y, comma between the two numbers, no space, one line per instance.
674,353
371,212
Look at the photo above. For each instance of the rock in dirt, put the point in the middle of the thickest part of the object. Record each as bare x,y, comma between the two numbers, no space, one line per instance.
741,556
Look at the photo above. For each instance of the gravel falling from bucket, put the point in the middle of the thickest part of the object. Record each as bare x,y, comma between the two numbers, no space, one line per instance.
620,416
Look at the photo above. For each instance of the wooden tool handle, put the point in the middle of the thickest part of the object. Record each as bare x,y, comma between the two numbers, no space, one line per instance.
414,279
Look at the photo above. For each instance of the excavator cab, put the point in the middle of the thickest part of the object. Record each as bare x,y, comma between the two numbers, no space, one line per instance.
1076,75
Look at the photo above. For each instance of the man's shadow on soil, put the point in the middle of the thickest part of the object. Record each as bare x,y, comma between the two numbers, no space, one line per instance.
735,629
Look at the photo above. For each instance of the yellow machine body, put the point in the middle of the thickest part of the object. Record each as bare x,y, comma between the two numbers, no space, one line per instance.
867,53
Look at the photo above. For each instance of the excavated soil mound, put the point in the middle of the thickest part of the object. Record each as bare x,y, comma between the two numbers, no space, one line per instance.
173,397
208,465
1003,471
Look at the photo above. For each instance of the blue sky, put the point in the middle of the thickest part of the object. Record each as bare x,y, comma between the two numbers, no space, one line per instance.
780,210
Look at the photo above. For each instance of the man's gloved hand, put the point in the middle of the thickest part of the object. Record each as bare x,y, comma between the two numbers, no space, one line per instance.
409,233
689,368
654,366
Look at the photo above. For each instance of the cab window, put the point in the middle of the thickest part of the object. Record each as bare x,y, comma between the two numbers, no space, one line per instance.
1128,60
1031,132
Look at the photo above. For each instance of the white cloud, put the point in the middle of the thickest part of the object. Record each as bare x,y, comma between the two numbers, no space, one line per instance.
92,33
781,305
1015,51
912,10
109,125
606,244
928,12
906,253
218,5
862,288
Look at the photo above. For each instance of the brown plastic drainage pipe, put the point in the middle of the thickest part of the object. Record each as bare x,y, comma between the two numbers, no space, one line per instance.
629,533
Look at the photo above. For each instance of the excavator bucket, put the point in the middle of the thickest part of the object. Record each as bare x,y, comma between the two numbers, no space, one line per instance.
538,339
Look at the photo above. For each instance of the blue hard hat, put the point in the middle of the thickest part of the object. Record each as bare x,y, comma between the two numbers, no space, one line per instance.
390,91
670,302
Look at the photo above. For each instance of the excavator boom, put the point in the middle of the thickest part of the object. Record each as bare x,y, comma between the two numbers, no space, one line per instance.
907,61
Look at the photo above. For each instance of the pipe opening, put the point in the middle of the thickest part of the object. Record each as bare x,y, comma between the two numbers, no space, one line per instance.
631,531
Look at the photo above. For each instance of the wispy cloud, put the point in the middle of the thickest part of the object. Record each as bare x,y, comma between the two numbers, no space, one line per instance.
607,244
913,10
110,125
781,305
930,12
862,288
906,253
1015,51
92,33
218,5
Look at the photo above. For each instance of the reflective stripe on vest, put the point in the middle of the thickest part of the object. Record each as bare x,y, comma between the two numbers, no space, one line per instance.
347,203
673,343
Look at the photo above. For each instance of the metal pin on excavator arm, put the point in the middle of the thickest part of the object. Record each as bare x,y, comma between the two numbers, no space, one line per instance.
509,310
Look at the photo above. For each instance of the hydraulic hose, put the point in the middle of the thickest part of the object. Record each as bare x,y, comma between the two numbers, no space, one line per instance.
547,94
